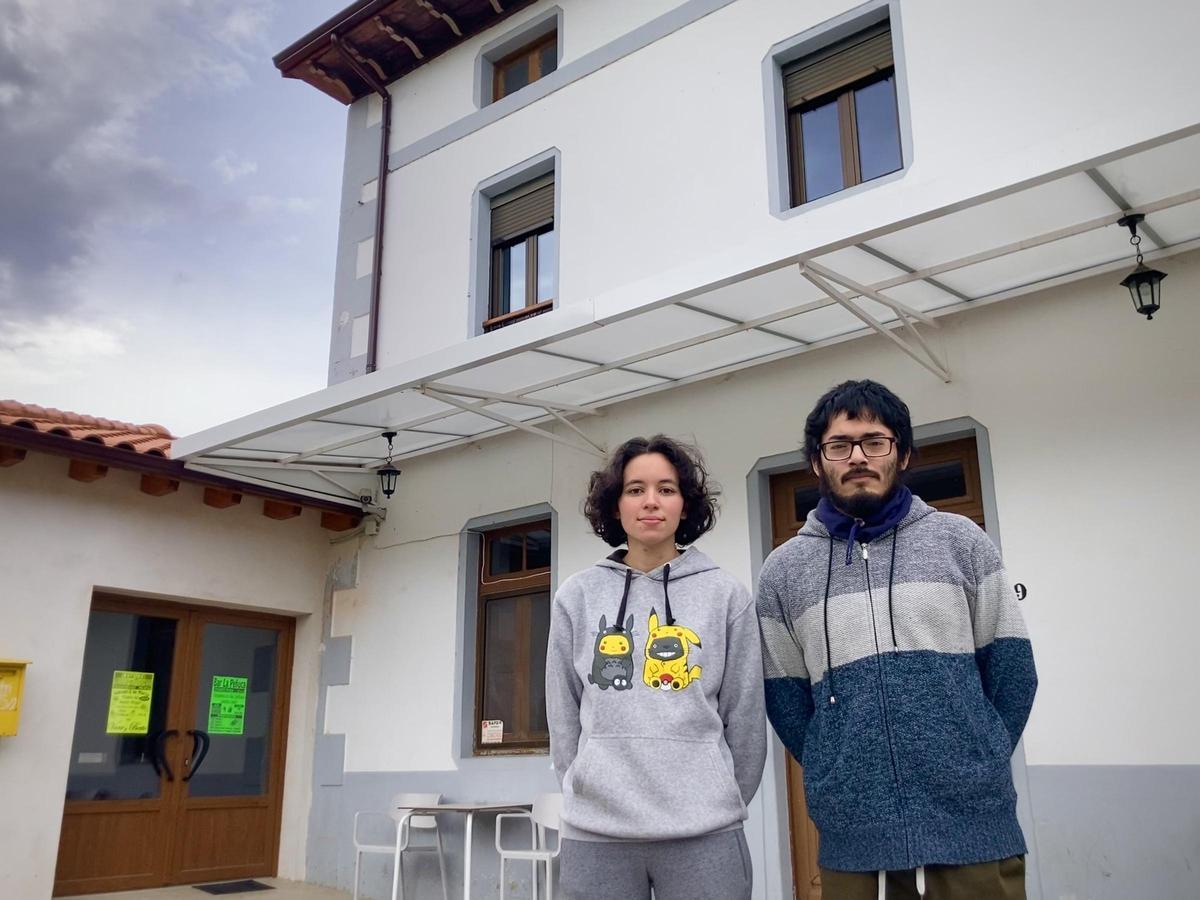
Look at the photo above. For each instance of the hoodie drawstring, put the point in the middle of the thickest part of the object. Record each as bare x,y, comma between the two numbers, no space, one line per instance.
666,596
891,582
825,613
625,597
624,600
883,883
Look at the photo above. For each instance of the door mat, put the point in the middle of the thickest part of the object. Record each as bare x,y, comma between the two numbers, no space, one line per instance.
233,887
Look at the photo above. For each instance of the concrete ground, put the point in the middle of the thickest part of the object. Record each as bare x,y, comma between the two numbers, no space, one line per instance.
284,890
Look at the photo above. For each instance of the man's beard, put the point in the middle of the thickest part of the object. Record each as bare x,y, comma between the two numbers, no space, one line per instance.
861,504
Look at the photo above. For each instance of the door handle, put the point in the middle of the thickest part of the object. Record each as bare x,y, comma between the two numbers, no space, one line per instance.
158,758
200,742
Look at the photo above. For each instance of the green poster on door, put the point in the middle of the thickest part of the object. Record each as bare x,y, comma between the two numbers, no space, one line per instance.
227,705
129,702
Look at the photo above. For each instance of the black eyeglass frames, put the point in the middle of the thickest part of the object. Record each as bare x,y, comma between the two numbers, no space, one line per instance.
872,447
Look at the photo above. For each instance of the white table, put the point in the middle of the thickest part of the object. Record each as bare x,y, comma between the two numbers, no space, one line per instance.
469,809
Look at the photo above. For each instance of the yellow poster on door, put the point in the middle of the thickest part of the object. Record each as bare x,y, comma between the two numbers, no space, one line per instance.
129,702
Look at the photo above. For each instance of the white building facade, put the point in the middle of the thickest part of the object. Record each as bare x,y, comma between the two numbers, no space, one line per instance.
608,219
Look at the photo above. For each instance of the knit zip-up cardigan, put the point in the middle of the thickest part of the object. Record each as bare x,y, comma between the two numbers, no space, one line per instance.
906,740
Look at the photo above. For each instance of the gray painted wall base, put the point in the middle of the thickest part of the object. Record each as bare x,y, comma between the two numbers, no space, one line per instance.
1117,832
331,847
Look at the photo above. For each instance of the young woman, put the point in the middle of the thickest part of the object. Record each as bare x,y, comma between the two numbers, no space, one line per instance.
654,693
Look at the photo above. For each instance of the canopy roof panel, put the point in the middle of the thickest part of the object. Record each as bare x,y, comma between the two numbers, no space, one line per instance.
568,364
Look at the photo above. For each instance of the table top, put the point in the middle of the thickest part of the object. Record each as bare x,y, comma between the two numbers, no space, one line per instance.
470,807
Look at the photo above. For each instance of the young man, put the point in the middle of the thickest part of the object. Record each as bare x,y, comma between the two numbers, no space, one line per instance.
898,671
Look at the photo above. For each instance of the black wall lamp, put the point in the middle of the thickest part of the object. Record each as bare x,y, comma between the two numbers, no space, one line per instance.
389,473
1144,283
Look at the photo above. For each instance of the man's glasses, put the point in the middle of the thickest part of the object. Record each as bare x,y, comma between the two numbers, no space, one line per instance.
836,451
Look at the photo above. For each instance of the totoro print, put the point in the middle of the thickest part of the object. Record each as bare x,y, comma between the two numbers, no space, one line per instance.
612,657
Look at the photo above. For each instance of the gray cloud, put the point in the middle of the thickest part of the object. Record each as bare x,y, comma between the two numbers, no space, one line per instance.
77,80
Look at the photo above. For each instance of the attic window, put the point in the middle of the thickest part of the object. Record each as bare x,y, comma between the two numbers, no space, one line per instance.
525,66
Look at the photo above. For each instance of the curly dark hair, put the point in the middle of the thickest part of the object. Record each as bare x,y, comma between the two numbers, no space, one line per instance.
699,494
859,400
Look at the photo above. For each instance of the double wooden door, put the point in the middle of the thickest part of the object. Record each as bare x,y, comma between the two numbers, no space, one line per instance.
946,476
176,769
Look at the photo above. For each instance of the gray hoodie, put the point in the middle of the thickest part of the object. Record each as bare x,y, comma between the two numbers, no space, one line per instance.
655,700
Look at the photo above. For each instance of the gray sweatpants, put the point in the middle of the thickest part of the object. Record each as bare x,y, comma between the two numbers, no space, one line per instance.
709,867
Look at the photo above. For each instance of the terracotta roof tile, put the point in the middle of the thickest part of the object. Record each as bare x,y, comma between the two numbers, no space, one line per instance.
153,440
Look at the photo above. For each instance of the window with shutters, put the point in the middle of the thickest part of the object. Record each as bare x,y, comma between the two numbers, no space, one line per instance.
512,631
524,257
842,121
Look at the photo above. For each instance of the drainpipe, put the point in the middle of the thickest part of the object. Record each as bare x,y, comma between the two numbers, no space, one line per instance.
381,200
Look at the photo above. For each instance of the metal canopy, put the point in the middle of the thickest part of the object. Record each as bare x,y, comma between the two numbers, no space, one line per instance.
567,365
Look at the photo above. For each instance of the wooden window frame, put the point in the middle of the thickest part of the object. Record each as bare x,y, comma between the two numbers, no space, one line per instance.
532,306
526,583
847,134
532,52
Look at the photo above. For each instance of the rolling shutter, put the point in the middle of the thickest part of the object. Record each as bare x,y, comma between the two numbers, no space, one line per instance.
523,210
838,65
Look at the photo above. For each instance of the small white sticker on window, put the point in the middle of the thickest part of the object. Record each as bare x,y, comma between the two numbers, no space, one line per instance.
492,731
91,759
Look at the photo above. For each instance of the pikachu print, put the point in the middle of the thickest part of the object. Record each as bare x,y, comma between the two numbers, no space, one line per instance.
667,646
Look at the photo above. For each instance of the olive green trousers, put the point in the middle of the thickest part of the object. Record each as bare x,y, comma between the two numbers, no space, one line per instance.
1003,879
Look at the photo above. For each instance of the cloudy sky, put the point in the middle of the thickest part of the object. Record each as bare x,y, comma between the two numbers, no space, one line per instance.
168,208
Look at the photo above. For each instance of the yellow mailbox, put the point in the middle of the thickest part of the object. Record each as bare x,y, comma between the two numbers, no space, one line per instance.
12,681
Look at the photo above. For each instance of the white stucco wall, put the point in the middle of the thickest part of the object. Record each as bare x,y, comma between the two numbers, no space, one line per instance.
443,91
1078,396
663,152
61,539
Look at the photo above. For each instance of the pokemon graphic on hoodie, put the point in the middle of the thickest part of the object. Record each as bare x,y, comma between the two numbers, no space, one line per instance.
626,743
612,659
667,666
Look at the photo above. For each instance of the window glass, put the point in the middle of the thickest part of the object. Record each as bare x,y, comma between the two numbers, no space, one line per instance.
540,636
548,57
238,759
547,256
499,654
515,75
506,554
941,481
878,129
806,500
537,549
512,279
820,132
110,761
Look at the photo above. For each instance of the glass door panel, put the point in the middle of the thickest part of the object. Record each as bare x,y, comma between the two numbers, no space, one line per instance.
235,699
121,720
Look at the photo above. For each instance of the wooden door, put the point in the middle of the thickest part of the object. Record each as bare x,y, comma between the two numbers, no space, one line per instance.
946,476
176,771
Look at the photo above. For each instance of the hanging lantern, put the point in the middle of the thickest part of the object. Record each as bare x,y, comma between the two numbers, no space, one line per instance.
388,473
1144,284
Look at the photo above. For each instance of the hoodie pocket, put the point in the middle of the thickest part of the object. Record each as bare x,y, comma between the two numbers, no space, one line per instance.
651,788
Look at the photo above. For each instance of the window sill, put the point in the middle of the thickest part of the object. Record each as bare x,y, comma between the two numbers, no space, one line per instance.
500,751
517,315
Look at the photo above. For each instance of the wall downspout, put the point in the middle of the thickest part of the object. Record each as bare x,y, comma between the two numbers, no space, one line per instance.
381,200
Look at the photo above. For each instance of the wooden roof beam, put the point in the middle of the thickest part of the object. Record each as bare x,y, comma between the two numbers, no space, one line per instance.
85,470
158,485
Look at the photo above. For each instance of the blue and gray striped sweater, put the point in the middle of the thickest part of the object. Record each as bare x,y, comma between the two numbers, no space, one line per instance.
906,740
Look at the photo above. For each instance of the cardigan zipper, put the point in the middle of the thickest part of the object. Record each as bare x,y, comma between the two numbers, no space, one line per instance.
887,724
